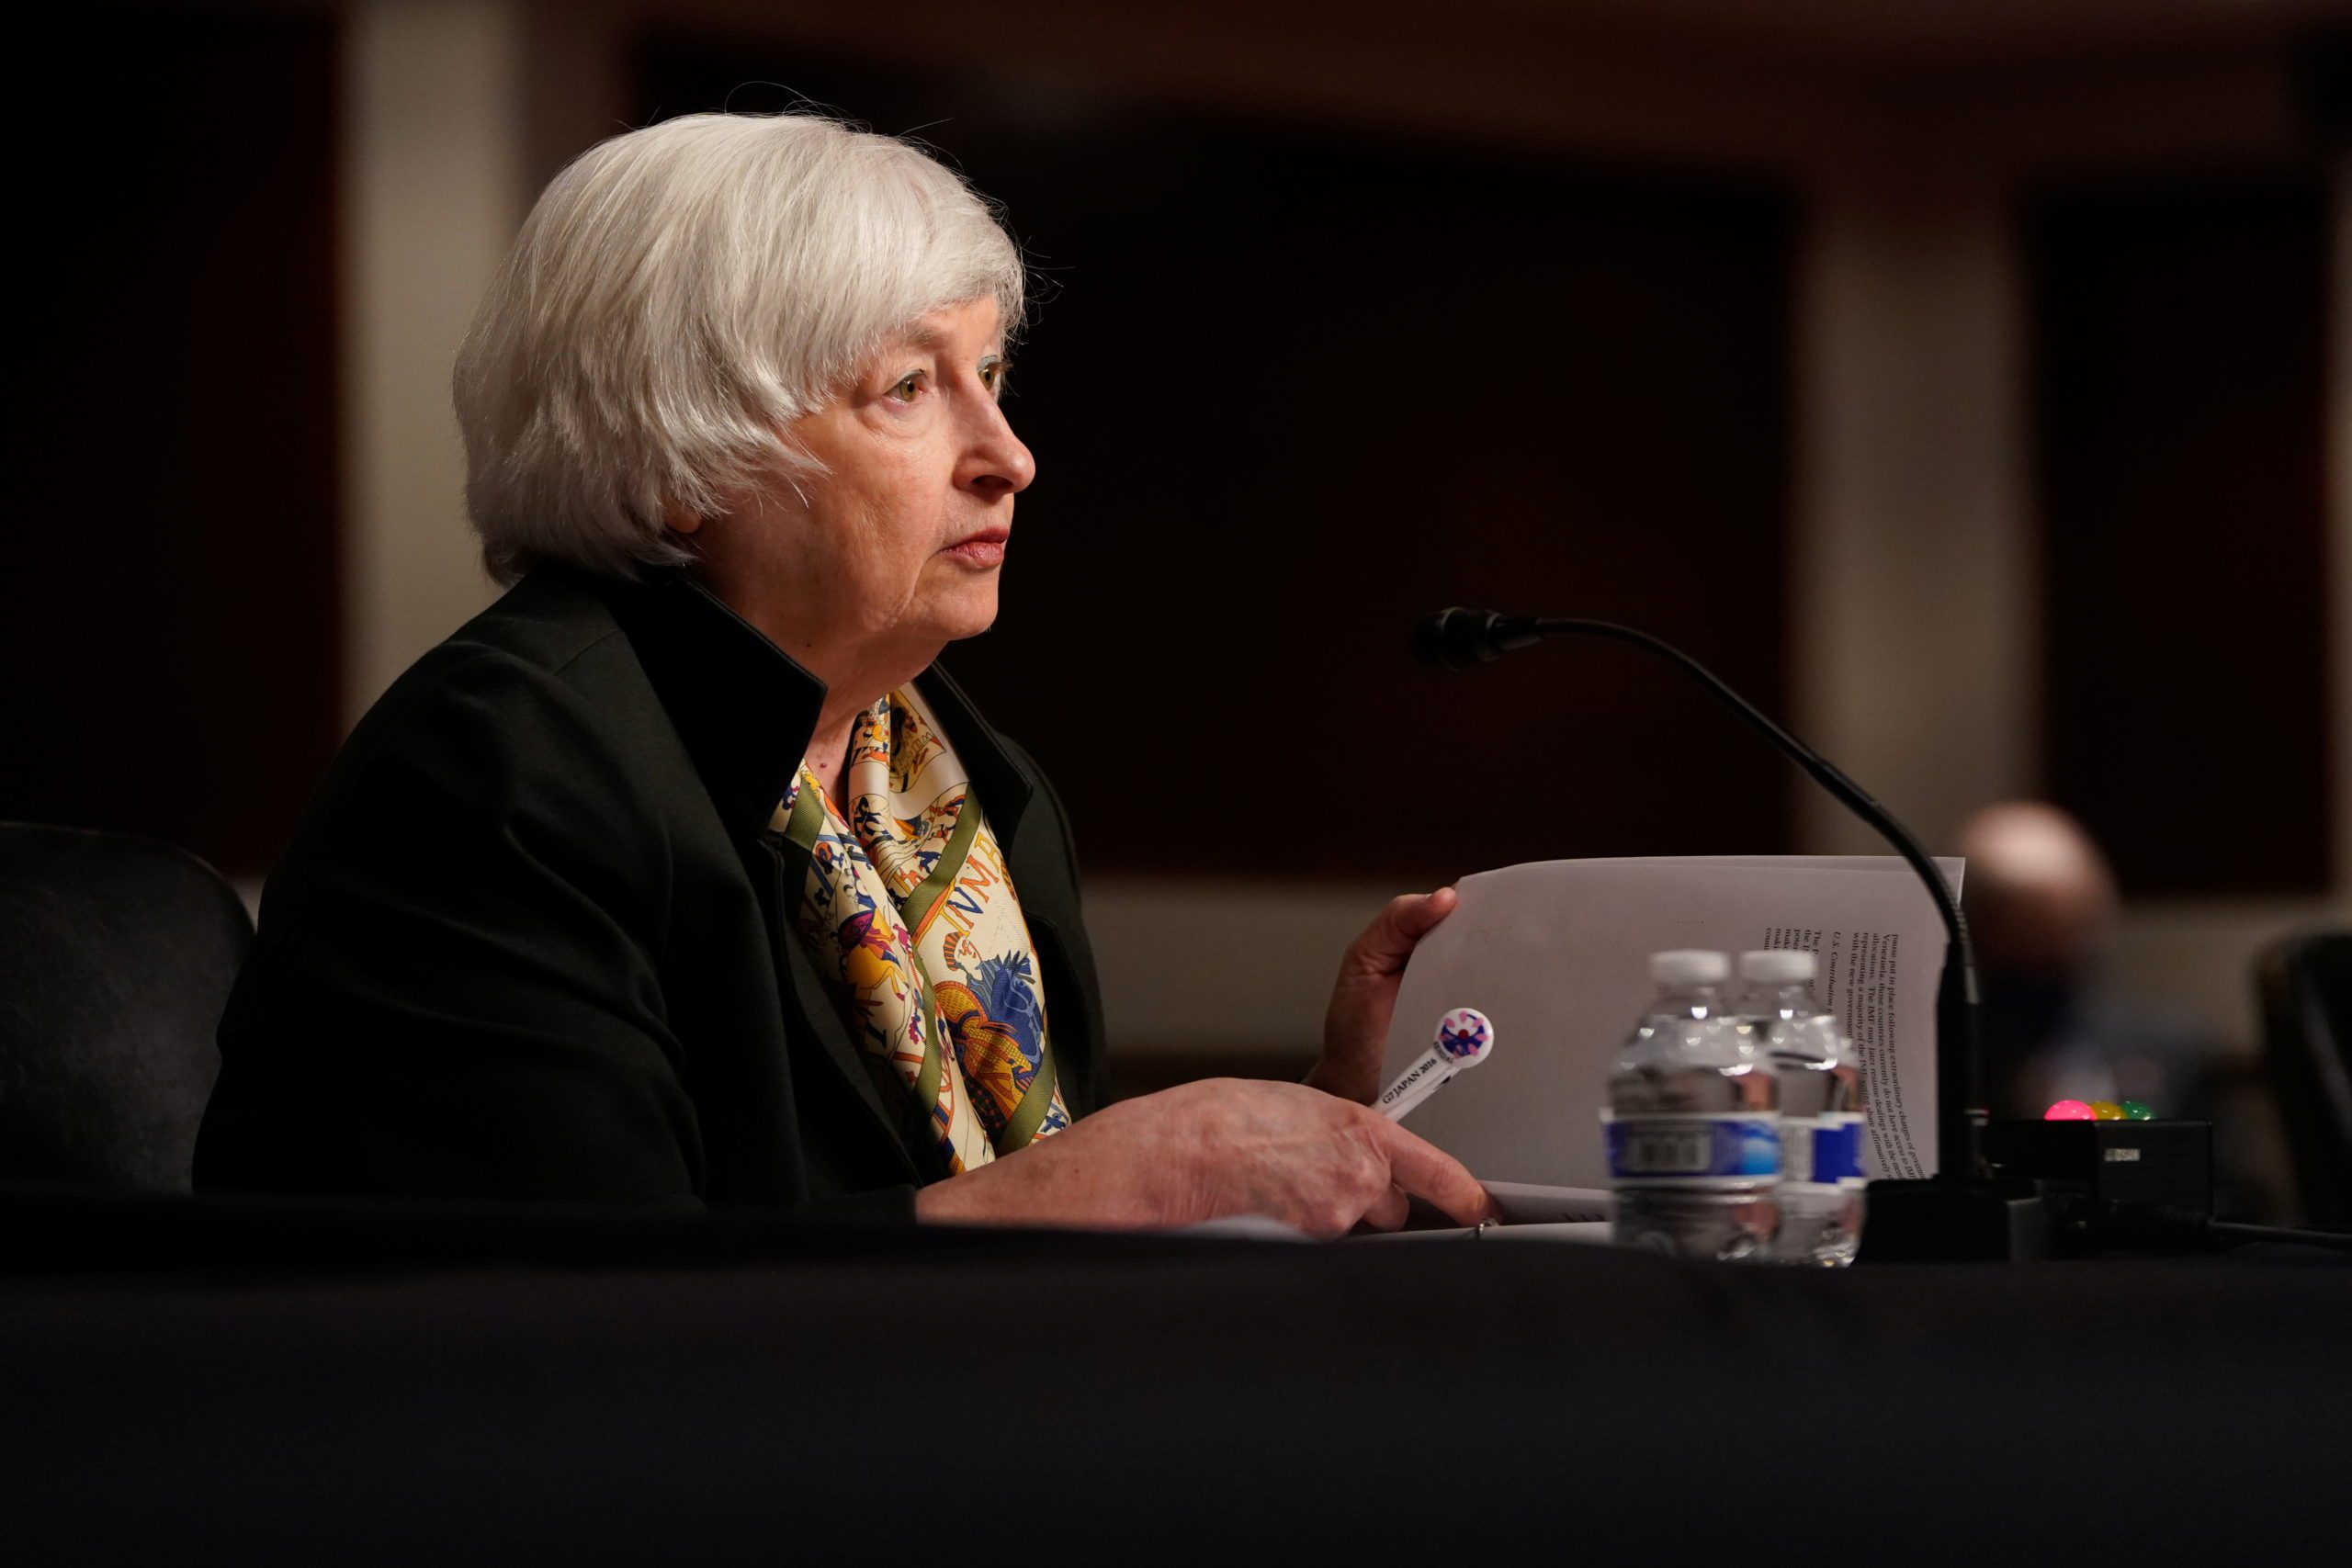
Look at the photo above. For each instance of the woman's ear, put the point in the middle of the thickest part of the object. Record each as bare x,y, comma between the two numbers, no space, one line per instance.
681,519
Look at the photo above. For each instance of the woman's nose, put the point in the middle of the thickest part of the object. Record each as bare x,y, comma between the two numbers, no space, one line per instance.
997,462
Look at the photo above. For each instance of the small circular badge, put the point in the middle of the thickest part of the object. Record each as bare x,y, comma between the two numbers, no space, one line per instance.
1464,1035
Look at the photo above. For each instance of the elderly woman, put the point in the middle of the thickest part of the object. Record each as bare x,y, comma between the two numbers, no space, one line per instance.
683,875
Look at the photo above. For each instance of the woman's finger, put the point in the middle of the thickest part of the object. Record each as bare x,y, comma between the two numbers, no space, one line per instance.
1425,1171
1388,1211
1398,929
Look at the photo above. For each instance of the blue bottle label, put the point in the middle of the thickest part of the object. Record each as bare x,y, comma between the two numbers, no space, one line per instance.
1734,1150
1822,1151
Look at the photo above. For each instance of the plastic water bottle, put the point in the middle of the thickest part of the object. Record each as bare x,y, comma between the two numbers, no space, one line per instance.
1821,1110
1692,1124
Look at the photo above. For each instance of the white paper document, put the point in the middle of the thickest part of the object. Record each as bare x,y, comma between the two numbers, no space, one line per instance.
1557,954
1527,1214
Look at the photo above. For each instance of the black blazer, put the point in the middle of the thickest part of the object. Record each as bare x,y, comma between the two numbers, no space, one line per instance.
531,941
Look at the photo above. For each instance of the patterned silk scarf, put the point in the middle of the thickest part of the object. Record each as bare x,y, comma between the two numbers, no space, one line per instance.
913,920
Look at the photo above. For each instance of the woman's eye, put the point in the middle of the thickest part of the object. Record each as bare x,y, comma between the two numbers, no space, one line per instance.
993,374
905,390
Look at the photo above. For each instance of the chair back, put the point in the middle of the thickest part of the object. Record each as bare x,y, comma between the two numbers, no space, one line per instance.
2305,986
116,959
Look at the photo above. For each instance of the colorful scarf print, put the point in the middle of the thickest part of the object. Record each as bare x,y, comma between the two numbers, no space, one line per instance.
913,920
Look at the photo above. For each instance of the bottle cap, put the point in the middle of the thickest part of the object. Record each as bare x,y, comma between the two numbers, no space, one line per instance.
1689,966
1778,966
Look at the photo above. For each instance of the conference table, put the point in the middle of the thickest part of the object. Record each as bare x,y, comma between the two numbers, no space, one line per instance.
227,1380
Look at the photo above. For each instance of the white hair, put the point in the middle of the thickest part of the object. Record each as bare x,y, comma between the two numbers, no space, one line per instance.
678,296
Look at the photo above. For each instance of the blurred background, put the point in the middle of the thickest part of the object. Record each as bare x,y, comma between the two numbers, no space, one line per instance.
1965,380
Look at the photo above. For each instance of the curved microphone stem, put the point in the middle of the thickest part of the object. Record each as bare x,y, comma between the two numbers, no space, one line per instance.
1456,638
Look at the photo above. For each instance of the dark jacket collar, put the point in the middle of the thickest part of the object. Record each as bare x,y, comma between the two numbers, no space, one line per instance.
746,709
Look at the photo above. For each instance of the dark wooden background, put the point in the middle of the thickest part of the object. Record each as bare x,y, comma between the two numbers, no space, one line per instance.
2180,343
1290,388
168,593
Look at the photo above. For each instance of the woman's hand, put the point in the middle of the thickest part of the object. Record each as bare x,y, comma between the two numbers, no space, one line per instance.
1205,1151
1355,1029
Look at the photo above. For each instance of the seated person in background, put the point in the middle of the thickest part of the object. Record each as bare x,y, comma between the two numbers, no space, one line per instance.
683,875
2042,909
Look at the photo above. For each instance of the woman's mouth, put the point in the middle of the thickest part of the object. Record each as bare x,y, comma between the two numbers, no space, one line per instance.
983,548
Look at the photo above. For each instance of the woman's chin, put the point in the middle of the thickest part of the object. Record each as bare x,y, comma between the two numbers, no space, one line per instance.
966,610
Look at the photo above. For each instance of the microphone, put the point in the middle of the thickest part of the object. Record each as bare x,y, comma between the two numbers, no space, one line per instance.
1460,640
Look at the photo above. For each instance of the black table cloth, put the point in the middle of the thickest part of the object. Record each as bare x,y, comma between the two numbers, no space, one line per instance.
247,1383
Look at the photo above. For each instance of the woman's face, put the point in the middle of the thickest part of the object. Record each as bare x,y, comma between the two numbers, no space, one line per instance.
865,571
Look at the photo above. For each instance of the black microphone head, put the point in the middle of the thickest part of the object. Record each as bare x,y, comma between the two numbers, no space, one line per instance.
1456,638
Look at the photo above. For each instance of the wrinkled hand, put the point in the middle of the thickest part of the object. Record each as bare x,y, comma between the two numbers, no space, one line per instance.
1207,1151
1355,1029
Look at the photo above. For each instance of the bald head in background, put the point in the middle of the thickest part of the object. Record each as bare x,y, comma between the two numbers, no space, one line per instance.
2041,898
2042,907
